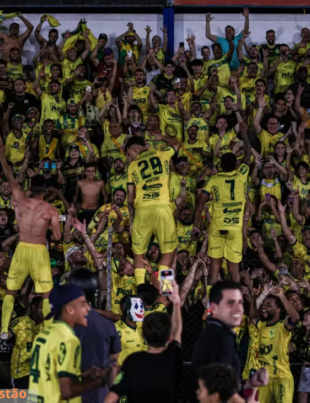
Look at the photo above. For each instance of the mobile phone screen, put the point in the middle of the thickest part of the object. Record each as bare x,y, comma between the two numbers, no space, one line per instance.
166,281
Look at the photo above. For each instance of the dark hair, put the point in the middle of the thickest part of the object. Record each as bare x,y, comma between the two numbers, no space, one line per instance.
14,23
157,329
289,292
197,62
229,162
134,108
269,31
87,281
216,294
48,120
261,80
120,190
55,64
229,26
253,64
38,184
303,164
228,96
20,79
53,31
272,117
221,379
281,99
148,293
27,67
205,47
90,165
277,301
139,71
2,61
134,141
169,61
216,44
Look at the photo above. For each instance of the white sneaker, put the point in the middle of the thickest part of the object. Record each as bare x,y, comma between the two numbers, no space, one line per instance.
4,336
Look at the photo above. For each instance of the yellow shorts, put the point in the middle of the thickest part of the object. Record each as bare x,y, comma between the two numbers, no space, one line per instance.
278,390
154,220
228,245
34,260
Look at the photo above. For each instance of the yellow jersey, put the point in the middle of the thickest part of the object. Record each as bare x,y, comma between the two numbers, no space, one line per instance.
268,141
15,147
273,349
51,107
121,286
175,189
229,191
252,364
102,99
222,93
250,99
6,203
24,330
157,307
171,122
47,150
203,128
14,71
246,61
270,186
141,98
36,130
229,135
304,188
199,82
184,238
56,353
112,148
149,172
69,125
131,339
302,252
68,67
77,89
193,153
284,75
301,51
222,67
186,99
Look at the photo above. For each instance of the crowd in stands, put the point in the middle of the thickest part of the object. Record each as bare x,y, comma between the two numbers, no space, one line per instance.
197,161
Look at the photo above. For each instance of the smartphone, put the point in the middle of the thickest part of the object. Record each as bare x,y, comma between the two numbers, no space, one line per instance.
166,281
268,196
47,165
129,53
62,218
181,45
307,134
54,165
177,80
88,88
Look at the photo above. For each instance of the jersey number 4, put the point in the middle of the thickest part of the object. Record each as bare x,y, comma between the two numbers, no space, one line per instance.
156,167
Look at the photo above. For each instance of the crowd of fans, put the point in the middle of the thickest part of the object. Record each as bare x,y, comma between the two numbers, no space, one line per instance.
195,162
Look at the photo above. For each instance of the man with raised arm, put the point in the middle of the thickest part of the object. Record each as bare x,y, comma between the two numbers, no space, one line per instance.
34,217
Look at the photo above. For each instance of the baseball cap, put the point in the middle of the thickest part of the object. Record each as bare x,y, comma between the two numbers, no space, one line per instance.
61,296
103,36
107,51
33,108
120,159
304,229
18,116
74,147
182,159
71,101
72,250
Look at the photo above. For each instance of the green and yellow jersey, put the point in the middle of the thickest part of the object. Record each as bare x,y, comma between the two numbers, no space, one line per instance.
193,153
184,238
15,147
284,75
51,107
171,122
131,339
222,93
69,67
56,353
14,71
203,128
222,67
47,149
141,98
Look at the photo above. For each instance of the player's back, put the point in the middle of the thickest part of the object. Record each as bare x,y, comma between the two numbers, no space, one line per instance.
149,172
229,195
34,217
56,353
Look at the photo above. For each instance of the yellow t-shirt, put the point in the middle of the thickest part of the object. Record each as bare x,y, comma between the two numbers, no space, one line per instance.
51,107
200,82
14,71
56,353
111,148
224,144
185,241
229,191
252,363
222,93
15,147
203,132
247,61
102,99
24,329
69,125
271,186
251,98
268,141
131,339
149,172
47,150
121,286
77,89
118,182
303,187
222,67
273,349
141,98
175,189
171,122
284,75
68,67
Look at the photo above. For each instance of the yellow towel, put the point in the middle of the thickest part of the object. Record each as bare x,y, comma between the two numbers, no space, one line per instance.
7,16
52,21
74,38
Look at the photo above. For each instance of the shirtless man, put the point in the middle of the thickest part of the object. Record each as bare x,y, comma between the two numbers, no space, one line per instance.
14,40
34,217
90,189
52,37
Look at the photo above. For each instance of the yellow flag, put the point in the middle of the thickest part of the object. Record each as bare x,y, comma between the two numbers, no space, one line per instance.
53,21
